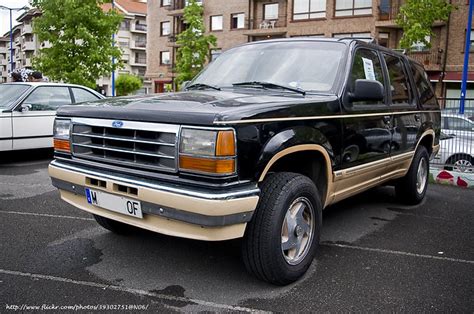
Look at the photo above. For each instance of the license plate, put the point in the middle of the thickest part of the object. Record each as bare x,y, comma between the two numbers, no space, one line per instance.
119,204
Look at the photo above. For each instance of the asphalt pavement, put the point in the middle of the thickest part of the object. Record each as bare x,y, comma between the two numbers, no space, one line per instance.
376,255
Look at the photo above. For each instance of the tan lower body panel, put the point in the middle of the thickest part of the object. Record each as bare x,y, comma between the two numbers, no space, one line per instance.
160,224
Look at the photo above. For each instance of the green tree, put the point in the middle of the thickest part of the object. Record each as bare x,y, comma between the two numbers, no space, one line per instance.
194,45
416,17
80,34
127,84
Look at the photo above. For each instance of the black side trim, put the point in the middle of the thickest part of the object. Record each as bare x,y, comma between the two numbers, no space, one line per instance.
167,212
25,137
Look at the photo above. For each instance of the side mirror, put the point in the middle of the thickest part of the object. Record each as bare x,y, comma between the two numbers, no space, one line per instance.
369,90
25,107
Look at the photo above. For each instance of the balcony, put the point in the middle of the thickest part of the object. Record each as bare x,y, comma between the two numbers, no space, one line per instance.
140,61
172,41
138,28
262,27
27,62
3,62
138,45
26,29
3,49
29,45
431,60
4,74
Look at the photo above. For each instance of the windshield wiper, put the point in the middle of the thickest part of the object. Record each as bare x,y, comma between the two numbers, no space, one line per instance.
202,86
271,86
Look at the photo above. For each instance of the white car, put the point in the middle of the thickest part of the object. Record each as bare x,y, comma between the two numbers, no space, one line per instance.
457,124
456,153
27,112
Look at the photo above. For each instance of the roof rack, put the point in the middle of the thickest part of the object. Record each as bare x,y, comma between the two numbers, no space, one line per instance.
370,40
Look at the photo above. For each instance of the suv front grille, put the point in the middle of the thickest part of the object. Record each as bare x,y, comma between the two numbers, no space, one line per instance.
142,145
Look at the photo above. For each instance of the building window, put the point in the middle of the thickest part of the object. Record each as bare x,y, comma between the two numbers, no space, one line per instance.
309,9
421,46
353,7
270,11
125,25
216,23
165,3
165,28
165,58
237,20
471,44
215,53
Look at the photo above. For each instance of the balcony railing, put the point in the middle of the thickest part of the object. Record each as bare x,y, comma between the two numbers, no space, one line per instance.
269,24
387,13
139,27
430,59
140,60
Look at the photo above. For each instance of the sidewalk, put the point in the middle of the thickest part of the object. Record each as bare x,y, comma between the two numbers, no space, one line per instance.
461,179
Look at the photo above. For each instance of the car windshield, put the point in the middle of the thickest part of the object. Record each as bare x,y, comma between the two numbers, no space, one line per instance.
11,92
305,65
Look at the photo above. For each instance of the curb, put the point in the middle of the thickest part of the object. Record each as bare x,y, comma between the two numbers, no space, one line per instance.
461,179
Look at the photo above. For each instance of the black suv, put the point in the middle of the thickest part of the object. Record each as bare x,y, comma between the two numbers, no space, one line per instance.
258,144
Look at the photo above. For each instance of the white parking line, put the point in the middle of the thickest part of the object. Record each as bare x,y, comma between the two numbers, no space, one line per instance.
442,258
44,215
129,290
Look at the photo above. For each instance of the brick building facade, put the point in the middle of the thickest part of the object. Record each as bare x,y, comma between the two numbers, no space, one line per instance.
240,21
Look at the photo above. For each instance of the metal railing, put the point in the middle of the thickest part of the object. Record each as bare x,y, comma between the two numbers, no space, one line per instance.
430,59
387,13
457,136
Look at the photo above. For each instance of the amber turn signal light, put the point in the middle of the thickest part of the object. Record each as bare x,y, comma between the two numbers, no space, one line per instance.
225,145
208,165
62,145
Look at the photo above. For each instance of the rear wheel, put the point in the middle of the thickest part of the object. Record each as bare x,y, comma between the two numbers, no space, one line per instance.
113,225
411,189
282,238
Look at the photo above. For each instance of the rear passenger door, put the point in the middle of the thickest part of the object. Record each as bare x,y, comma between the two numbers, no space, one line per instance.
406,121
403,104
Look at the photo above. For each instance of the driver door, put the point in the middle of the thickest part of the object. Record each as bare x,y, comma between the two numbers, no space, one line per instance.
33,119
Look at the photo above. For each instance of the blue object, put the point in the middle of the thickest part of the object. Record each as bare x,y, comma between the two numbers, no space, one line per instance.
466,58
117,124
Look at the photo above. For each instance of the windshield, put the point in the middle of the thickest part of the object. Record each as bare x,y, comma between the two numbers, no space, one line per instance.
11,92
310,66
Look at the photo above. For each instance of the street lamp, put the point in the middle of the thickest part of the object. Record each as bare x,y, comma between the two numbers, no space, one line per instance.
2,7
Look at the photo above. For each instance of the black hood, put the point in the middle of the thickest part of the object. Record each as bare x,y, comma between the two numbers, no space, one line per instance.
201,107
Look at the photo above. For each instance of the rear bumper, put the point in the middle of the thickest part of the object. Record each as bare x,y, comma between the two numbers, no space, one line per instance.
168,209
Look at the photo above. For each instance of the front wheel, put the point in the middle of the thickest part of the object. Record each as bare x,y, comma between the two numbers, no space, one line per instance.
411,189
282,238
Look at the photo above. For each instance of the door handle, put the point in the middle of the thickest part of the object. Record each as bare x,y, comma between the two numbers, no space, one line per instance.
387,119
417,117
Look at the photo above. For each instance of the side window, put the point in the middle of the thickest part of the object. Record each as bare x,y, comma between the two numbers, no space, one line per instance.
399,85
81,95
48,98
423,86
366,66
459,124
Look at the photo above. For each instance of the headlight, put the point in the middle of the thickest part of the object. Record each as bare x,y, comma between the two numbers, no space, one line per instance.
207,151
62,135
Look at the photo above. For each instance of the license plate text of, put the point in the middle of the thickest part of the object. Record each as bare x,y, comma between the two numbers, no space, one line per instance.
119,204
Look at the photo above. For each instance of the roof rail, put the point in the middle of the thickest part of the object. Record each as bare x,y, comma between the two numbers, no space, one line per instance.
370,40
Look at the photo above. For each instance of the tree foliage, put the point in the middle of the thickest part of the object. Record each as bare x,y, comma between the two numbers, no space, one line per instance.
80,35
194,45
127,84
416,17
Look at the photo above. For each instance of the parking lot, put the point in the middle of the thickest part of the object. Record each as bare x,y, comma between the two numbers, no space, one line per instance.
376,255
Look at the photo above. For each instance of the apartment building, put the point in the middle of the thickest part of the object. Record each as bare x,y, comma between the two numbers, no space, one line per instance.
4,65
131,38
240,21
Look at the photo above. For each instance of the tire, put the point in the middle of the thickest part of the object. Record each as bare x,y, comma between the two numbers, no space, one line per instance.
411,189
114,226
461,163
263,252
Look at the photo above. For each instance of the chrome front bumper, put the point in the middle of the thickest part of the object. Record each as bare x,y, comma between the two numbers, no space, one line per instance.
169,209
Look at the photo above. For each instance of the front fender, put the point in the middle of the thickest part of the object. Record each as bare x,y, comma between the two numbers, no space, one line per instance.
296,136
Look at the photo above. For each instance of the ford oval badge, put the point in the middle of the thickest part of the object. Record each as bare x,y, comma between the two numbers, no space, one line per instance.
117,124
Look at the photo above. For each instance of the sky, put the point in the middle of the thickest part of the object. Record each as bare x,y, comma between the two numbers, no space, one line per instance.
5,14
